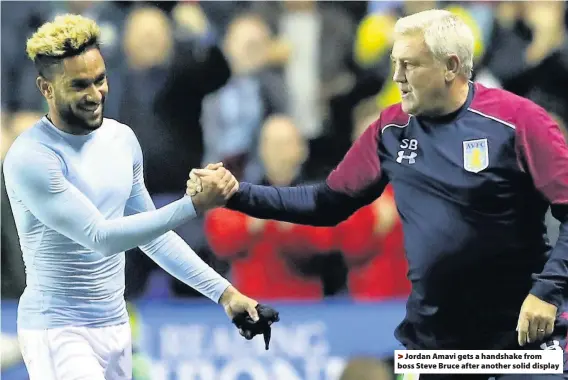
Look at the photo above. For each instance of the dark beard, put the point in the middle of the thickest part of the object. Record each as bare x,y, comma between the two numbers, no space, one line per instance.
69,117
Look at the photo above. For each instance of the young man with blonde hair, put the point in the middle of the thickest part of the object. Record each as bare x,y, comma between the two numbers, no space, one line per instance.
76,186
473,170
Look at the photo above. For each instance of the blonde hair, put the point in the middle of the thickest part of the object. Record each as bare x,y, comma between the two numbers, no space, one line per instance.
66,36
444,34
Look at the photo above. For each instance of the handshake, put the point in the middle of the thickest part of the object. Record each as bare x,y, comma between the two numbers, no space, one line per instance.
211,187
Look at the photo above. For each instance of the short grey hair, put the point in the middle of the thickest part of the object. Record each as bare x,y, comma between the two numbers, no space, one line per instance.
444,34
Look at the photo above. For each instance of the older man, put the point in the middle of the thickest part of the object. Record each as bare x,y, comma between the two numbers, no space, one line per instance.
474,171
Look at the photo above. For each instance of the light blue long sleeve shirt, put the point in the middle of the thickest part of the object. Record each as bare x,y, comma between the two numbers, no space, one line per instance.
79,202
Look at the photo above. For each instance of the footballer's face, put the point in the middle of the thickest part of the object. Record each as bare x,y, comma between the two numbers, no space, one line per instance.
419,76
78,92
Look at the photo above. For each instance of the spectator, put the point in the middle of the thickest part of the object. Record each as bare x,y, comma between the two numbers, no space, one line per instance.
320,35
545,53
233,115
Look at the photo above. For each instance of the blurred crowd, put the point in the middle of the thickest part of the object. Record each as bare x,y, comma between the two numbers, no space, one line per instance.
277,91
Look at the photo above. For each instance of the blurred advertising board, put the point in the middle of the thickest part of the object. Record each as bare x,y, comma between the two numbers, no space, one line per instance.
194,340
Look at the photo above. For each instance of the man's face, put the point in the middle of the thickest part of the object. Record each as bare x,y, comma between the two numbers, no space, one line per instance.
282,151
80,90
148,40
247,44
418,75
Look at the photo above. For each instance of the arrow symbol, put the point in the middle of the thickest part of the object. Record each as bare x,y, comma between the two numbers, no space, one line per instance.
400,356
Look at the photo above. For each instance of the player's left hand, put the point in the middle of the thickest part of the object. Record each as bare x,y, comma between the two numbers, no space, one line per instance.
234,303
536,320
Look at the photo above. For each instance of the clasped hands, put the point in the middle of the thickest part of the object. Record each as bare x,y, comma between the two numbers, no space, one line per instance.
211,186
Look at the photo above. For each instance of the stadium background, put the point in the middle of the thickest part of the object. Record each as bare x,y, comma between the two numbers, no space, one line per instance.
278,91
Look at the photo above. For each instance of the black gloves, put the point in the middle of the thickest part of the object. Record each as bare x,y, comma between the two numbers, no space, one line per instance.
249,329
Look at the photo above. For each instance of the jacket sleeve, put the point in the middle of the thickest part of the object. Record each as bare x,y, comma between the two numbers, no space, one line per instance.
543,154
355,182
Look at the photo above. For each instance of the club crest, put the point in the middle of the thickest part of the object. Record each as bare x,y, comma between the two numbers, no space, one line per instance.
475,155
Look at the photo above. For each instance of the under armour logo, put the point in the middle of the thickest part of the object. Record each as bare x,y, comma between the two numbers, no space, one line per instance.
553,345
411,157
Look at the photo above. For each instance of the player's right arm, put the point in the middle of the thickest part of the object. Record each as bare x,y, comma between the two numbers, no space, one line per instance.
34,176
355,182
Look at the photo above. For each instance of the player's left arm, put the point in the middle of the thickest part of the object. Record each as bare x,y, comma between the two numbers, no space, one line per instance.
543,153
169,251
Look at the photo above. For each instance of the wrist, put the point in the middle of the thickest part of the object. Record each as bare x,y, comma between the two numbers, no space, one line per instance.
198,205
228,295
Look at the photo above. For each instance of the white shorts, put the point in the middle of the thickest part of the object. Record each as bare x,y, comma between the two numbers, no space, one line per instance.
78,353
